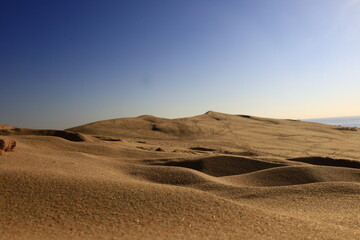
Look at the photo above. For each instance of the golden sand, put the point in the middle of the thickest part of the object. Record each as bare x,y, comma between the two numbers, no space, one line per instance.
213,176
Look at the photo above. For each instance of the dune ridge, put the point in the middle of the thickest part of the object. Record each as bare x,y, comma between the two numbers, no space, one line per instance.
217,176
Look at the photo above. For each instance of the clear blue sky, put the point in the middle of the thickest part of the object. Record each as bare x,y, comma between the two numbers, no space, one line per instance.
65,63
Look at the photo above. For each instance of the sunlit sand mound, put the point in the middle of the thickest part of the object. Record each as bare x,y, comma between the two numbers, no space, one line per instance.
236,134
71,136
5,127
209,124
41,206
212,176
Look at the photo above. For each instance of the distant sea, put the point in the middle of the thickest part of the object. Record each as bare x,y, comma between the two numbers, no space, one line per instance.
353,121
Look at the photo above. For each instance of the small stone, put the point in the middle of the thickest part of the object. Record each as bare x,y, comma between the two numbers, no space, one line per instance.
159,150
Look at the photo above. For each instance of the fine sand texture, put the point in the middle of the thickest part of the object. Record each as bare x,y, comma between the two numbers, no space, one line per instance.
212,176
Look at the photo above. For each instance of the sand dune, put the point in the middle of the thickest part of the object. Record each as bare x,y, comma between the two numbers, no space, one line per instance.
71,136
217,176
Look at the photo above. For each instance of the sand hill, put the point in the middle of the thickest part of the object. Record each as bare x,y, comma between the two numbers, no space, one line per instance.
212,176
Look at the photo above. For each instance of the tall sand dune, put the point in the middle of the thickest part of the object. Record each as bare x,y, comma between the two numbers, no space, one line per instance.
212,176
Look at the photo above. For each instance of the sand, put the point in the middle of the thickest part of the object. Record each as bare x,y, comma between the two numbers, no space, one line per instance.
212,176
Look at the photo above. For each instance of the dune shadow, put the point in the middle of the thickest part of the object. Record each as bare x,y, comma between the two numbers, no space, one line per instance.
326,161
219,166
203,149
193,164
71,136
109,139
259,119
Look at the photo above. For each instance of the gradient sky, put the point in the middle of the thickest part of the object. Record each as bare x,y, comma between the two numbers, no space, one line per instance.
66,63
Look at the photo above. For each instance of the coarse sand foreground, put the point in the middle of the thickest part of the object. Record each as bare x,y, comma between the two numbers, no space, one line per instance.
213,176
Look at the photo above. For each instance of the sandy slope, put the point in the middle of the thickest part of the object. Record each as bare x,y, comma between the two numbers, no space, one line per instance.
213,176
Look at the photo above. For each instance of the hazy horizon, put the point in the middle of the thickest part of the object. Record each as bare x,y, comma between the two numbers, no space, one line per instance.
325,120
67,63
